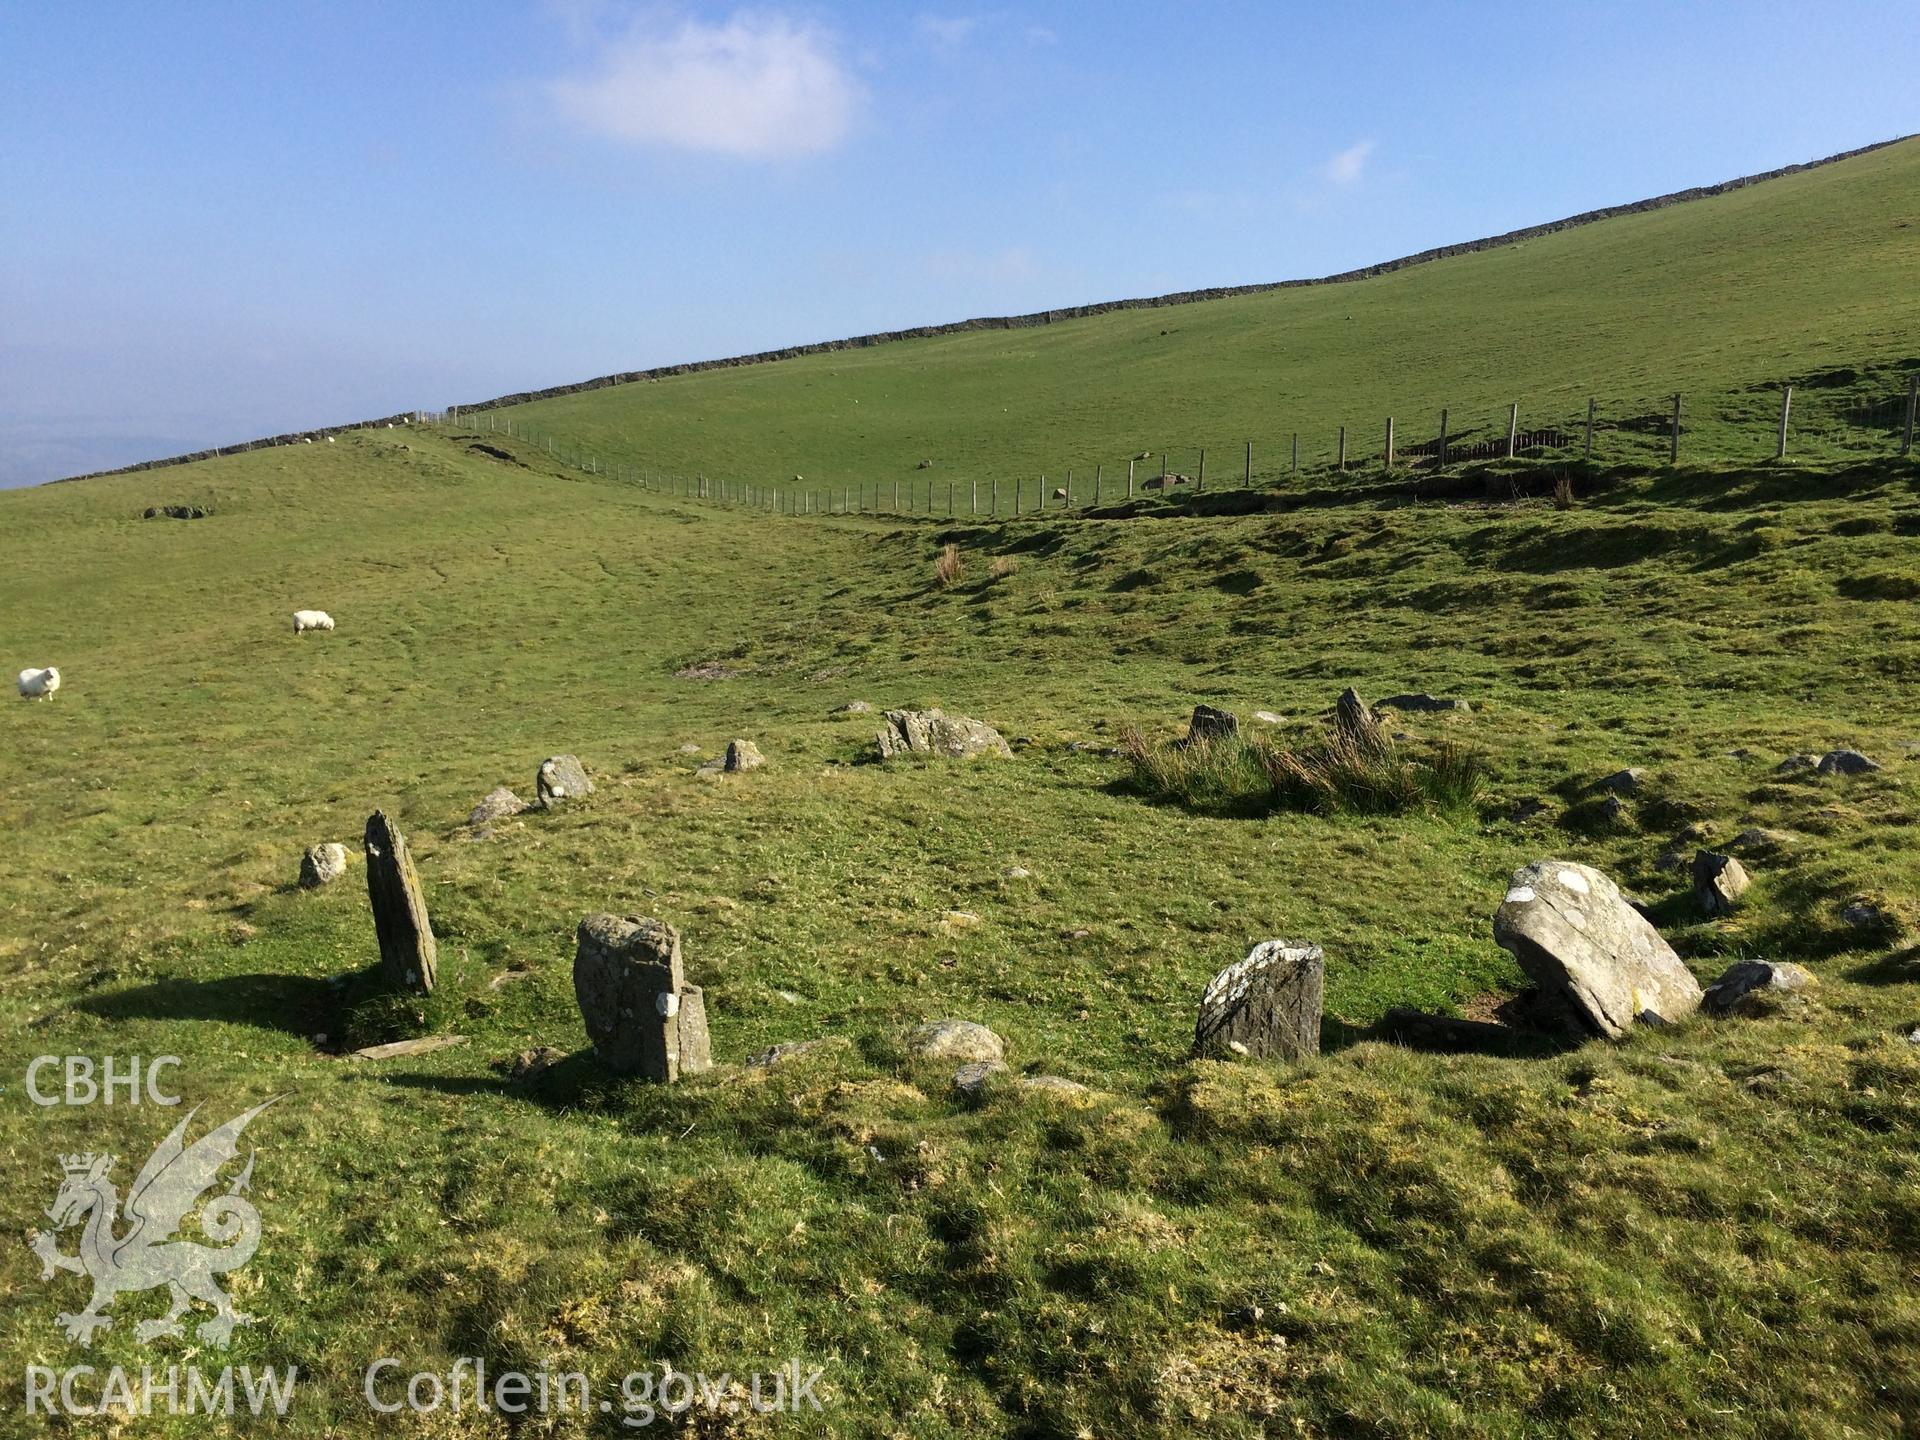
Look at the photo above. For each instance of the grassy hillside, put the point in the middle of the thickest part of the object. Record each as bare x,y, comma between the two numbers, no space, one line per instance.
1807,278
1703,1230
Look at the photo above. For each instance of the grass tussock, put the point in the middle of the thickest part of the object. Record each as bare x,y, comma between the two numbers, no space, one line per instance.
948,568
1003,566
1341,774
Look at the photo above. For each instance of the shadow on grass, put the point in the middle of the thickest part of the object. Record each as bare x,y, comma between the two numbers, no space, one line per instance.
296,1004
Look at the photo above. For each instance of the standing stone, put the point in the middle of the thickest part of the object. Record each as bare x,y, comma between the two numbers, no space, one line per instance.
1355,719
1209,725
1576,936
1267,1004
561,778
399,910
743,755
322,865
640,1013
1718,882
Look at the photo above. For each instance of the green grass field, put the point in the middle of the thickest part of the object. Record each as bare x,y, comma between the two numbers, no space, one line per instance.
1703,1230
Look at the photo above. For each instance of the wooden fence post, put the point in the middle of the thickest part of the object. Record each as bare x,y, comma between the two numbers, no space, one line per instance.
973,497
1200,480
1343,447
1067,504
1589,454
1389,442
1247,479
1163,469
993,499
1129,479
1786,408
1096,482
1016,495
1296,452
1913,404
1443,435
1513,428
1673,448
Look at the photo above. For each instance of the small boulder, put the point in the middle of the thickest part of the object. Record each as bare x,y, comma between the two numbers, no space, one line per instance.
1625,782
933,732
961,1040
529,1065
1577,937
561,778
1420,702
1846,762
972,1079
322,865
1759,842
742,755
1059,493
1269,717
1754,987
1718,882
1354,718
1267,1004
1016,872
1865,915
498,804
1209,725
1799,763
1054,1085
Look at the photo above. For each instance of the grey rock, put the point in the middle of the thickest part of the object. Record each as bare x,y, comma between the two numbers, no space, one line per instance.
1016,872
1718,882
961,1040
1670,860
1267,1004
689,749
1751,987
1354,718
1797,764
854,707
322,865
1053,1085
1420,702
1209,724
1625,782
562,778
497,804
972,1079
933,732
1865,915
1526,808
1846,762
743,755
1269,717
1059,493
777,1055
529,1065
640,1013
401,1049
1577,937
1613,808
407,949
1760,842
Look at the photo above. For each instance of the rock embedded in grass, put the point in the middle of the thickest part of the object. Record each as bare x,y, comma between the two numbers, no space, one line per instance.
1718,882
1754,987
962,1040
1265,1005
322,865
1846,762
561,778
935,733
853,707
1576,936
973,1078
1625,782
499,803
1210,724
1354,719
1799,763
639,1012
1420,701
1054,1085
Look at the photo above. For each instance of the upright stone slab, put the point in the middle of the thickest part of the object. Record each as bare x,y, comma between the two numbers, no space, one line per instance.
1209,724
641,1015
322,865
561,778
1718,882
1267,1004
1576,935
399,910
1354,718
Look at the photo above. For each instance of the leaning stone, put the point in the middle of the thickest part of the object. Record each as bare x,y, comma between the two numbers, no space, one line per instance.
1355,719
972,1079
640,1013
561,778
1420,702
1577,937
498,804
932,732
1846,762
1209,724
956,1040
742,755
407,950
1267,1004
1748,986
1718,882
322,865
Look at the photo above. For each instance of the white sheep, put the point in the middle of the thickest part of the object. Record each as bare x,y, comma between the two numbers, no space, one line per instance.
39,684
305,620
329,439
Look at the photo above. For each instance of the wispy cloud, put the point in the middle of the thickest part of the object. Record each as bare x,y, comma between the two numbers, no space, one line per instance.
759,85
1347,167
947,32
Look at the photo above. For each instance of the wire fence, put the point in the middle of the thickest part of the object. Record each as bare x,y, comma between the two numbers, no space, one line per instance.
1835,416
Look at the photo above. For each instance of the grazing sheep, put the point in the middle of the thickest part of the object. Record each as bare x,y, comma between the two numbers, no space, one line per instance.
39,684
329,439
308,439
305,620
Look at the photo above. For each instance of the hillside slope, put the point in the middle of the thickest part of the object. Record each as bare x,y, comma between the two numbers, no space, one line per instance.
1808,277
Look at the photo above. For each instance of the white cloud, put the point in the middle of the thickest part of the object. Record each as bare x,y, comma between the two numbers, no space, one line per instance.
759,85
947,32
1346,167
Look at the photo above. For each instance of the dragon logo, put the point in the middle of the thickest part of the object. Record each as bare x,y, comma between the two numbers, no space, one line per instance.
166,1190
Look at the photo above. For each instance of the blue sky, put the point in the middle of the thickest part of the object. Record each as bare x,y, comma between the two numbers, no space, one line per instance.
228,220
